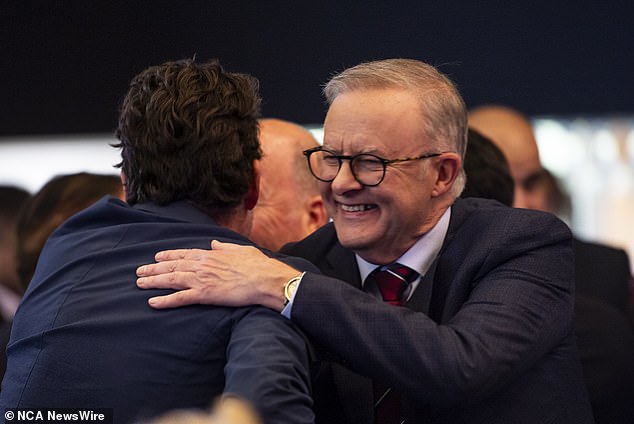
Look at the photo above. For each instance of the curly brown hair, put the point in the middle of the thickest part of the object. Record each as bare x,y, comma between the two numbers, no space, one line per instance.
189,131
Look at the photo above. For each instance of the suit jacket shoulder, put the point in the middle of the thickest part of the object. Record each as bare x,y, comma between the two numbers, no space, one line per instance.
602,272
96,341
315,245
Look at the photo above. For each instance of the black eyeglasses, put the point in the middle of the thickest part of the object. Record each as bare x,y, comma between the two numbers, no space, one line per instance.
367,169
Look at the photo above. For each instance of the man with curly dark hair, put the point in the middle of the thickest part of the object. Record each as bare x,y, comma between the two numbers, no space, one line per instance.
85,337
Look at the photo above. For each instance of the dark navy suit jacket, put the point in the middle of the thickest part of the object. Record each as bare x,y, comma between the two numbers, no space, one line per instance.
602,272
487,336
84,335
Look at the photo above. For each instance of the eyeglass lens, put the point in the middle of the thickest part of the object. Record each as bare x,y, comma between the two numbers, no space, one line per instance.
368,169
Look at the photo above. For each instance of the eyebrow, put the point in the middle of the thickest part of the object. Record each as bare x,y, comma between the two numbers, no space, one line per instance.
533,178
369,150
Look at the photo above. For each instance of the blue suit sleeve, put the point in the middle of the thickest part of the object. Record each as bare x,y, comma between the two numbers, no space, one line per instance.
268,365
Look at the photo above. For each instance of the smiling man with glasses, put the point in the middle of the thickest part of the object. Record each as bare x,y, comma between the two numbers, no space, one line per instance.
436,309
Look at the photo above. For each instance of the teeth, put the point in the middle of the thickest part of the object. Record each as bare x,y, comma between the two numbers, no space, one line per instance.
356,208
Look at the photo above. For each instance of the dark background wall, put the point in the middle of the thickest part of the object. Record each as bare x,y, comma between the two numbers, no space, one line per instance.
66,64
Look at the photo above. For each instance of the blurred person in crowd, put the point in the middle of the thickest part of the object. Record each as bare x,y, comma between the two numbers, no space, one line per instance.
487,171
436,309
290,206
556,200
601,271
84,336
513,134
12,200
604,334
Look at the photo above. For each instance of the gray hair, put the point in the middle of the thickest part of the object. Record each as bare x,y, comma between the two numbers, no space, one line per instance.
444,114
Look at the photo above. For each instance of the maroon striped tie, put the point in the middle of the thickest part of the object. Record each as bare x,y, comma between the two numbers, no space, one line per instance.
392,281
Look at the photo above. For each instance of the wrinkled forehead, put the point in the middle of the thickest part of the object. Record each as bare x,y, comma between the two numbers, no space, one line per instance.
380,120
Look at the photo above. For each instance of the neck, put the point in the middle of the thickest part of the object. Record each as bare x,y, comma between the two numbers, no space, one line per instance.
237,219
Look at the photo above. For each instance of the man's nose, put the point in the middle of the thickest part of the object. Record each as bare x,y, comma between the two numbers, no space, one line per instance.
345,180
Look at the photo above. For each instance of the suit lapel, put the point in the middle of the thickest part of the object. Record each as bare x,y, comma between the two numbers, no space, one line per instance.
421,298
449,260
341,263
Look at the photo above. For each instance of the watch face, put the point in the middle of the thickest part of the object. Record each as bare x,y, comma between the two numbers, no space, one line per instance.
291,288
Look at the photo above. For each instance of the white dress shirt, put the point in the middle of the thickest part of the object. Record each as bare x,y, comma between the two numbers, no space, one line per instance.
419,257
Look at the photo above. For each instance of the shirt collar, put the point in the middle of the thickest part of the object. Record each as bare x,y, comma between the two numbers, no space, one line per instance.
179,210
421,255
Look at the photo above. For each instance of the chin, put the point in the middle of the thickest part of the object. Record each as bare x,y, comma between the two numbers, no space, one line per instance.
353,243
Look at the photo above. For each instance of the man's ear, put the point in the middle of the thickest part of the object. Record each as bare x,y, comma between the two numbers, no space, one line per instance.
448,169
251,198
316,215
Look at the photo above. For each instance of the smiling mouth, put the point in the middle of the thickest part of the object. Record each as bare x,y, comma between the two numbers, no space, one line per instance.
356,208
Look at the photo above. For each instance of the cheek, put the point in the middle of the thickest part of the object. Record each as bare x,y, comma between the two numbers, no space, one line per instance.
326,195
324,189
406,207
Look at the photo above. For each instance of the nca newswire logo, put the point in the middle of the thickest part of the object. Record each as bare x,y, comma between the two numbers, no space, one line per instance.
58,416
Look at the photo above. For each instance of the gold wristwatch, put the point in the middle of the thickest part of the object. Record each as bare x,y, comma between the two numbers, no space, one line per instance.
291,287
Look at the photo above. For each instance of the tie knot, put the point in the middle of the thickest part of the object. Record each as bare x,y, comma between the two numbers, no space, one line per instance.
392,281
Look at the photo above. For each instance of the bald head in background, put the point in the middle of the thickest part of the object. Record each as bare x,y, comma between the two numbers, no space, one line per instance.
289,207
513,133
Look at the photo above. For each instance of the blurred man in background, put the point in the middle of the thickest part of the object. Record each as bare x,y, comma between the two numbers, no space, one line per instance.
290,206
602,274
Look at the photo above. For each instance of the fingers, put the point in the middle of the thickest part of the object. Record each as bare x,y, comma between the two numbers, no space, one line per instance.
175,254
202,276
245,252
194,254
185,261
174,300
176,280
218,245
158,268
